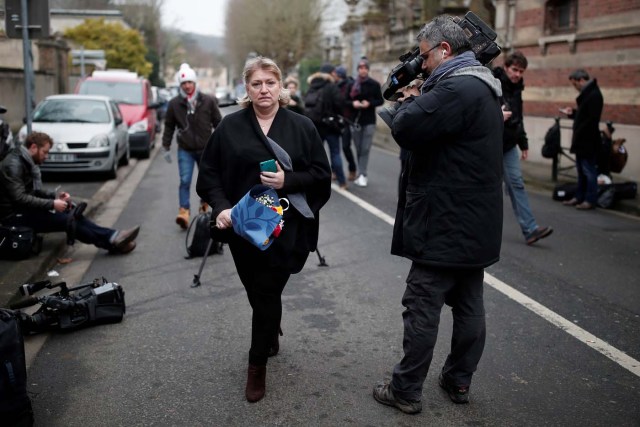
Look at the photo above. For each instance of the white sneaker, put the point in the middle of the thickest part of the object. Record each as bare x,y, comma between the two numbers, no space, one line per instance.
361,181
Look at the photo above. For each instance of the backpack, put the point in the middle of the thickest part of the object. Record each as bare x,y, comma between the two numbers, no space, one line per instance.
619,155
551,147
314,104
317,109
15,405
198,237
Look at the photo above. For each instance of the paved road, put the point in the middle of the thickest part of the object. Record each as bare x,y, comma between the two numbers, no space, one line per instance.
180,356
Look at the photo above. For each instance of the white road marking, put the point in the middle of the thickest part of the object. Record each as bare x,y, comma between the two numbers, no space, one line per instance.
618,356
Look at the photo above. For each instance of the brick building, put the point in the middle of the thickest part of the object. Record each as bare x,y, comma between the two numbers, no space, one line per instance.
558,36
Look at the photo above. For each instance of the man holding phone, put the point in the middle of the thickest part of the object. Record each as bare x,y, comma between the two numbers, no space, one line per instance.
585,139
514,137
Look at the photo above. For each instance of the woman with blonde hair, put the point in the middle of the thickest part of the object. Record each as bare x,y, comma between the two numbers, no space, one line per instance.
230,167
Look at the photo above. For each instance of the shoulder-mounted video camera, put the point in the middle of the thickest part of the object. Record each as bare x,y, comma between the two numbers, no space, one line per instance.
95,303
480,35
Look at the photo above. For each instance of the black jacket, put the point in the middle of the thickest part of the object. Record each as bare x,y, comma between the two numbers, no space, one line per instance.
586,140
344,87
16,186
369,91
514,133
450,205
194,129
230,167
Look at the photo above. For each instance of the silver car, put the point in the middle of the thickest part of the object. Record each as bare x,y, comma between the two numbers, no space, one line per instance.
88,132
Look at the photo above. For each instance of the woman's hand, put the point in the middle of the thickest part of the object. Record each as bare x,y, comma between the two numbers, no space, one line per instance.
273,179
224,219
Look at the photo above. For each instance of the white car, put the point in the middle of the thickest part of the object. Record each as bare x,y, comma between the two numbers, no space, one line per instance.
88,132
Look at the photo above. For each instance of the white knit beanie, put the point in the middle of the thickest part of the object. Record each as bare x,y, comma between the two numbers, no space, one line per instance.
186,74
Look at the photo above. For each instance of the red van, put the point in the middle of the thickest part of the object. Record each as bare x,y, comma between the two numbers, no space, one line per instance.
134,97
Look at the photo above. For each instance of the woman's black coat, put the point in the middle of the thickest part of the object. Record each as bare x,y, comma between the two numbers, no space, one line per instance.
230,167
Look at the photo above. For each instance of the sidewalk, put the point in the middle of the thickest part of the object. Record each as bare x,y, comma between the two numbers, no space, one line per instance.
35,268
537,176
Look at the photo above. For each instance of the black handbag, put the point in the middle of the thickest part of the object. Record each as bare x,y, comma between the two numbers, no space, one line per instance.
18,242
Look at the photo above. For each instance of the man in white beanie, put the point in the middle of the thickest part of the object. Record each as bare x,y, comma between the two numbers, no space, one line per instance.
195,115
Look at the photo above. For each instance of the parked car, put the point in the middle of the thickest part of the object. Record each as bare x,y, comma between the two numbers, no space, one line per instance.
223,95
161,96
133,95
88,131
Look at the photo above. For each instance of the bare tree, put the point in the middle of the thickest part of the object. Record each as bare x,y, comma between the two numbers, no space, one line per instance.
283,30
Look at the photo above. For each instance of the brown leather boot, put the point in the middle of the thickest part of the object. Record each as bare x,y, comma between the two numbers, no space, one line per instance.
256,382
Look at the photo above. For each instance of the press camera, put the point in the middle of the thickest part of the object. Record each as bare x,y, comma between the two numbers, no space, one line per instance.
94,303
480,35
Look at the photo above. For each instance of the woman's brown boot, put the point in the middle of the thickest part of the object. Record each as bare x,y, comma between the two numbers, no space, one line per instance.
274,347
256,382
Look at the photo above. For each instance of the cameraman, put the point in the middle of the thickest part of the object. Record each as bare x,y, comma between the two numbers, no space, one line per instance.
449,217
24,202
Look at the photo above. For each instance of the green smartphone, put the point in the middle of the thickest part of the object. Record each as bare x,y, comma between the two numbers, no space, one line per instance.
268,166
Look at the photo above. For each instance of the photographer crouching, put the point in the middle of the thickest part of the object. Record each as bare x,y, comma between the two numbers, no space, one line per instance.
23,201
449,215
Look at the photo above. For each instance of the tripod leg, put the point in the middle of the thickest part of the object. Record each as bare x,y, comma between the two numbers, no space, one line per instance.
321,259
196,277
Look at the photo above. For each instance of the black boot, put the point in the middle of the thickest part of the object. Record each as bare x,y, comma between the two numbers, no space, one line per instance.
256,382
274,347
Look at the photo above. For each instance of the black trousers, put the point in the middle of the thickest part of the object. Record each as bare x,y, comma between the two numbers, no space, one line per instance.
43,221
428,289
346,149
264,285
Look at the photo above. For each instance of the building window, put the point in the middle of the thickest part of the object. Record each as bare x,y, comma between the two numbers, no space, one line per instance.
561,16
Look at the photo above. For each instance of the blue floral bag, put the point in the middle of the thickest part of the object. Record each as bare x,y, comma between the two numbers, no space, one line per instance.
257,217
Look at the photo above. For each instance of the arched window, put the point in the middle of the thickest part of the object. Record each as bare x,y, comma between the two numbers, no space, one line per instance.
561,16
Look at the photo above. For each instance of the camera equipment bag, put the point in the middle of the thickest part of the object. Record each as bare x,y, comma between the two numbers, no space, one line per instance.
18,242
15,405
198,236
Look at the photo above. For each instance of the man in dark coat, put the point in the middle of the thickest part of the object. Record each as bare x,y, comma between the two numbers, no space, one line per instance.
365,95
510,76
195,115
344,84
449,217
586,140
24,201
330,104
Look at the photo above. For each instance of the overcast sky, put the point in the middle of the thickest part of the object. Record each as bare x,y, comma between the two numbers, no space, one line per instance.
195,16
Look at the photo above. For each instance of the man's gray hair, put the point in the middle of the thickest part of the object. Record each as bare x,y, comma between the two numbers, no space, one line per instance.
442,28
579,74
